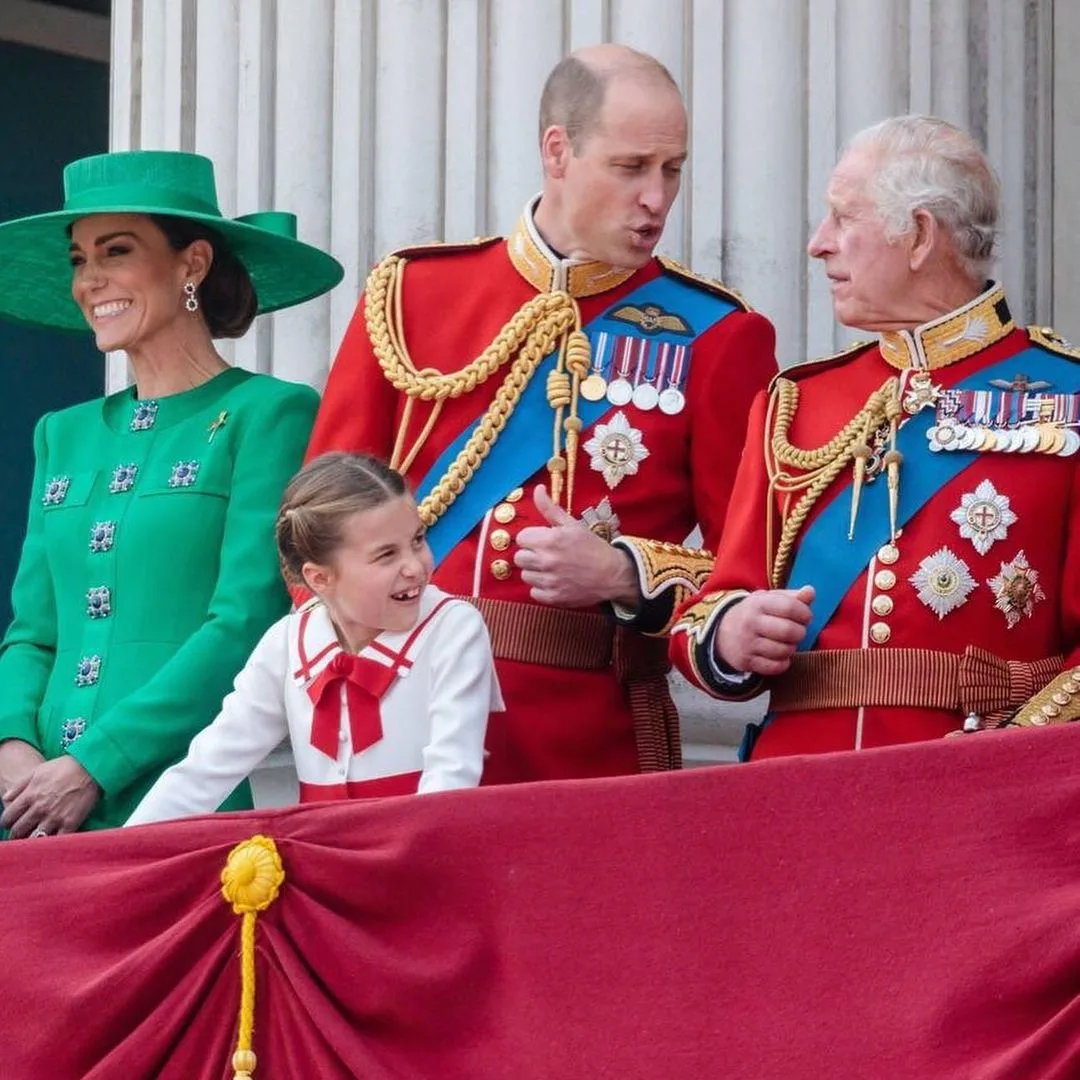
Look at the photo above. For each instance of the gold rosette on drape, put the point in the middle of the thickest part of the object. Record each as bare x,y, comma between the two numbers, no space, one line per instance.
250,882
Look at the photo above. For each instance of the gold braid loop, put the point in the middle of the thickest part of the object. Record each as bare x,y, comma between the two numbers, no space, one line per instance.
538,328
485,434
383,317
558,389
578,354
819,466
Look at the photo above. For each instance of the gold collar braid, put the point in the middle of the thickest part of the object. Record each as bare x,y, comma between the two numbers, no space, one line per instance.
956,336
819,467
547,321
547,272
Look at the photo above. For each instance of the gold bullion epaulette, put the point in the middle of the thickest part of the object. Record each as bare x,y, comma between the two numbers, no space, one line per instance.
717,288
438,247
802,368
1050,339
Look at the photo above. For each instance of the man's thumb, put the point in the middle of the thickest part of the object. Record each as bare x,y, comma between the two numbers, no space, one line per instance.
552,514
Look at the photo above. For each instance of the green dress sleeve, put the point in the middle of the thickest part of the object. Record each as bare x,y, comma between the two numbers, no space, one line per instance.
140,735
29,646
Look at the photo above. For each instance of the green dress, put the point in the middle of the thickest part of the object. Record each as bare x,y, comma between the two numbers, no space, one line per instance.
148,574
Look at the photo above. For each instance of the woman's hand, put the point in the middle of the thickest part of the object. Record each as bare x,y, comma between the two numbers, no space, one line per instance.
56,797
18,760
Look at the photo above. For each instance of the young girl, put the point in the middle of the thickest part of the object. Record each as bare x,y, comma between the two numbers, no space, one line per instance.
382,682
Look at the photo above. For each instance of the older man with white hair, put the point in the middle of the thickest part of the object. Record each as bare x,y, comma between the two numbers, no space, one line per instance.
900,559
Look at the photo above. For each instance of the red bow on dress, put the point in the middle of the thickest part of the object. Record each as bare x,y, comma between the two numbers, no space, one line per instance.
365,683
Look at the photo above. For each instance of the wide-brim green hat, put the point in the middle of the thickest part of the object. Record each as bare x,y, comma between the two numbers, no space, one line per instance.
35,268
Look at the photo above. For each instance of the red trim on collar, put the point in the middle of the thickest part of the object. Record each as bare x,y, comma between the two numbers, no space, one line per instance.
399,658
304,670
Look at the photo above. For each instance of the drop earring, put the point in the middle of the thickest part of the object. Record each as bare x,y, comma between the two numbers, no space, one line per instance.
191,299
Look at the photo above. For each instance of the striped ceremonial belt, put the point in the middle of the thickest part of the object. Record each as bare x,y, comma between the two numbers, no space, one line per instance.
553,637
974,681
588,641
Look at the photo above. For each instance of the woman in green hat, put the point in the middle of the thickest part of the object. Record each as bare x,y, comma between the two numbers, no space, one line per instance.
149,569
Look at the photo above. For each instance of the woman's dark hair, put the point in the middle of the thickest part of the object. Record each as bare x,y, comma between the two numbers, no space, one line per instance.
226,296
319,499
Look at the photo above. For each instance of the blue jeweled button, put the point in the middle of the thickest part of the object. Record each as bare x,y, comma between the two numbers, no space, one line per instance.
184,473
144,416
89,671
102,534
123,478
56,491
70,730
98,602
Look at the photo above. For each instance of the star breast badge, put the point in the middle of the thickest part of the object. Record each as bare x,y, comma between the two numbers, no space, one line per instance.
616,450
1016,590
984,516
943,582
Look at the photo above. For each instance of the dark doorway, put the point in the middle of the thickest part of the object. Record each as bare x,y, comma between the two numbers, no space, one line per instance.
58,110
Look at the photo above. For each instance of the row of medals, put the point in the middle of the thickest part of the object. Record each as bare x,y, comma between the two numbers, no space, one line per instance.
620,392
950,434
1040,438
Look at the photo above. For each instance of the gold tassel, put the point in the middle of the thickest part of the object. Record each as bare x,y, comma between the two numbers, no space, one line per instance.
578,361
251,880
893,461
862,455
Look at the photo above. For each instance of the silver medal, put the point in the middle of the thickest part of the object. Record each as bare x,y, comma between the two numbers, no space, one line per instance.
1072,444
672,401
645,396
619,392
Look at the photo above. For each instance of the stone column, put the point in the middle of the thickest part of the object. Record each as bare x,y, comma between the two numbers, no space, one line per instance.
390,122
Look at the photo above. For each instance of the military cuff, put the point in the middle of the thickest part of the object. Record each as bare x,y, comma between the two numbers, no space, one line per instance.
700,622
668,575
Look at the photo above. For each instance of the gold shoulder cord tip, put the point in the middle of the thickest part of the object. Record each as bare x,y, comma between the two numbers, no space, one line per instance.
547,321
250,882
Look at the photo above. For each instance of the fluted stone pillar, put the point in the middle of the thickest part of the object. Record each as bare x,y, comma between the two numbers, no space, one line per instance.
389,122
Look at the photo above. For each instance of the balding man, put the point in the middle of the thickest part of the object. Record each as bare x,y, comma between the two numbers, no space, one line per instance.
903,560
547,392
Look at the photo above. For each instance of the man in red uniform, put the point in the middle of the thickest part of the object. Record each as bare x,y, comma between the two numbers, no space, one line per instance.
902,561
545,393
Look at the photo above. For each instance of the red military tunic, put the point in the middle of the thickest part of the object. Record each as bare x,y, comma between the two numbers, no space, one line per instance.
567,713
983,579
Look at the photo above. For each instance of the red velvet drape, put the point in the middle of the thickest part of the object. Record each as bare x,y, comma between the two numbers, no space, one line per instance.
904,913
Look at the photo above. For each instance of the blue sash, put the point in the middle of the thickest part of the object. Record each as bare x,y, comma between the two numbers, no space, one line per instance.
525,443
830,562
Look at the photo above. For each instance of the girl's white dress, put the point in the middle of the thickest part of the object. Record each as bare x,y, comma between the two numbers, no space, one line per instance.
408,713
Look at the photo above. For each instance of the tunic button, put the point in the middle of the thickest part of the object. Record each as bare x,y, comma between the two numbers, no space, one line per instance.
888,554
884,579
880,633
515,495
500,539
342,737
882,605
500,568
504,513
